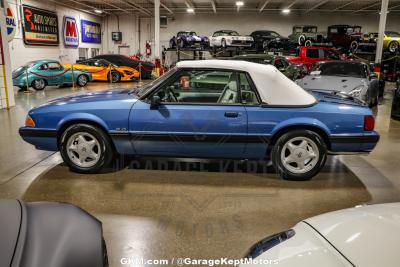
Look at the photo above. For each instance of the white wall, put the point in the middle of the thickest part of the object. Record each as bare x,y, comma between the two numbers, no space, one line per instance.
21,53
244,23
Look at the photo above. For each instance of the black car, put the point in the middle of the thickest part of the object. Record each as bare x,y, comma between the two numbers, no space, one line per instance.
396,102
121,60
270,41
48,234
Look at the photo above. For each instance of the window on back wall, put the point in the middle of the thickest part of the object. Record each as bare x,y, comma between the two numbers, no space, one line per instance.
83,53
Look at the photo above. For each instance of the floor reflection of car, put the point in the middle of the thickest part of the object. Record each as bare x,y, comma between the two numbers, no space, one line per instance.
205,109
41,73
291,70
364,236
348,77
103,70
45,234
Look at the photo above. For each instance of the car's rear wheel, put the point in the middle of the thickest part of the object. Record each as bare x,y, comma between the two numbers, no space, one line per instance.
82,80
39,84
86,148
299,155
301,40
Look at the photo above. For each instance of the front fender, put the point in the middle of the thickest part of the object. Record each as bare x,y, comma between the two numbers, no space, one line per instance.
81,116
301,121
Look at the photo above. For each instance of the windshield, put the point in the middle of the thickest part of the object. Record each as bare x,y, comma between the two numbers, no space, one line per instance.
141,91
310,29
343,69
186,33
392,34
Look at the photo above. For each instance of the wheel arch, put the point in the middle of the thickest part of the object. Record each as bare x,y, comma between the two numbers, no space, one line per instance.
318,128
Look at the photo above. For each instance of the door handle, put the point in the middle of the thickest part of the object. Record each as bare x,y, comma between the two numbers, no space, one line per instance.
232,114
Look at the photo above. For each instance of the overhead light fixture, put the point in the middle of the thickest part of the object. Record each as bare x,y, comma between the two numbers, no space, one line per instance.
98,11
190,10
286,11
239,3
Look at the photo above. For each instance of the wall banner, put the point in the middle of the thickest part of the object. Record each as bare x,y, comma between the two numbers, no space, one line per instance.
91,32
40,26
70,32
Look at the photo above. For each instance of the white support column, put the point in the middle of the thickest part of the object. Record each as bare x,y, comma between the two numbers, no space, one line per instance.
157,28
6,68
382,27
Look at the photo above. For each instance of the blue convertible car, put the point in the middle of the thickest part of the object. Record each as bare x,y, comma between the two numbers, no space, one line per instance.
206,109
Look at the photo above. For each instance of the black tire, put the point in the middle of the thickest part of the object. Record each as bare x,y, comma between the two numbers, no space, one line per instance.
82,80
105,254
116,77
105,150
284,172
39,84
353,46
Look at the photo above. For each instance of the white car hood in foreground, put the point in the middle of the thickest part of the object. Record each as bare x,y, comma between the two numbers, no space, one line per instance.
369,236
334,83
273,87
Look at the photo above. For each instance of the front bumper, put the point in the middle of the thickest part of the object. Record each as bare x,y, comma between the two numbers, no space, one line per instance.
43,139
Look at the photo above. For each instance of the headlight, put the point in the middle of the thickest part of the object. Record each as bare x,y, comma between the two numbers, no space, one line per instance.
29,122
357,92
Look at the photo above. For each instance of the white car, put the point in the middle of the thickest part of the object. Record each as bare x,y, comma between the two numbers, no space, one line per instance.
227,38
364,236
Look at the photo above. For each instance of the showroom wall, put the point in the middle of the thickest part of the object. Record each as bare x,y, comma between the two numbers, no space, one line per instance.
244,23
21,53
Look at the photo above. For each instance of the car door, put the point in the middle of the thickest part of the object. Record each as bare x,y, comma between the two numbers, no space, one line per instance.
55,71
200,115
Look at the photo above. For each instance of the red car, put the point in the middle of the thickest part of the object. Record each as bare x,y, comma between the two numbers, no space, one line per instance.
345,36
310,55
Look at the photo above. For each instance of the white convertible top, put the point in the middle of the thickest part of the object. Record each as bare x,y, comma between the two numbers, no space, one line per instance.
273,86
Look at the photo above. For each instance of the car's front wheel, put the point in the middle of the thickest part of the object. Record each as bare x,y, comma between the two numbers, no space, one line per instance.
299,155
39,84
393,46
86,148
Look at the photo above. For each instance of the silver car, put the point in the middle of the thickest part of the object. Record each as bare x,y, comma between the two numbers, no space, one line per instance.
345,77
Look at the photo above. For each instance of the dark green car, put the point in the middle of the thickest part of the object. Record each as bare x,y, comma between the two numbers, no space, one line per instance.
291,70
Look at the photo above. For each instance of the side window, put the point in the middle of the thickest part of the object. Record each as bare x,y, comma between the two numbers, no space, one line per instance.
249,97
44,67
201,86
312,53
54,66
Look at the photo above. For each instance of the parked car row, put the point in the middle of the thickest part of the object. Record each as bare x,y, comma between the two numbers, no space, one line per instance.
113,68
347,38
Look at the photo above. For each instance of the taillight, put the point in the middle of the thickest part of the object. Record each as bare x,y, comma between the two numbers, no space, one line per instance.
369,123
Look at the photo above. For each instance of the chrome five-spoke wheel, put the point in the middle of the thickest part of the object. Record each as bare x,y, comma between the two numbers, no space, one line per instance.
300,155
83,149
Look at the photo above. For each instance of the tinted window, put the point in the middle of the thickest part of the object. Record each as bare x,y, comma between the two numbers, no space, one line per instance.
343,69
201,86
312,53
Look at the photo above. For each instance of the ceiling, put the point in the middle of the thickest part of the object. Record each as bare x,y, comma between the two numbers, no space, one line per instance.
171,7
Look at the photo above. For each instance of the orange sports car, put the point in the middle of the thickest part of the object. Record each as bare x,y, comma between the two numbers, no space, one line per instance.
102,70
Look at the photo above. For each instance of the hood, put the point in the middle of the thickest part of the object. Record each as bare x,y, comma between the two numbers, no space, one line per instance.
337,98
107,95
366,235
332,83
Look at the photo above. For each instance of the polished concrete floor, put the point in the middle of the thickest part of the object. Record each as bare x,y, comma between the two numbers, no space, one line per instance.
162,210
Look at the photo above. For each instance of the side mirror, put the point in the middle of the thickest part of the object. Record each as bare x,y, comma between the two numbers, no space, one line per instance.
155,101
315,72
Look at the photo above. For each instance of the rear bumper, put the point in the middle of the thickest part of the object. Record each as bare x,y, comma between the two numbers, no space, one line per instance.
43,139
354,143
